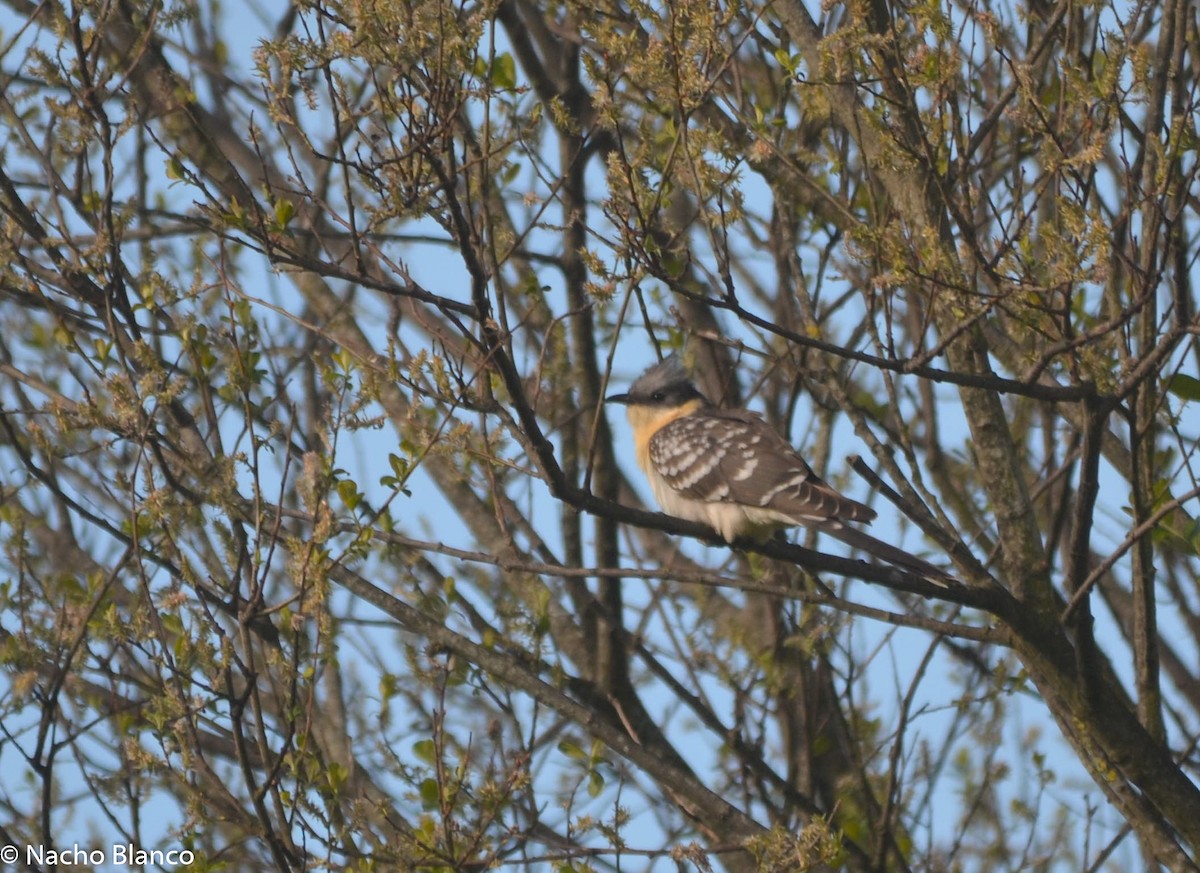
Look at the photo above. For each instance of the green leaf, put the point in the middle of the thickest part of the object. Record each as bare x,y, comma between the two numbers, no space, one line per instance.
336,774
400,467
1184,387
345,360
348,491
284,210
504,71
425,750
236,215
431,795
572,750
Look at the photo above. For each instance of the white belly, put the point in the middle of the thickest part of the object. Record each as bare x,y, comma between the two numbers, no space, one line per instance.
730,520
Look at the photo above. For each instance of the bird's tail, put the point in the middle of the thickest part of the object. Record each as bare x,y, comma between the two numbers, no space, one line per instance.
886,552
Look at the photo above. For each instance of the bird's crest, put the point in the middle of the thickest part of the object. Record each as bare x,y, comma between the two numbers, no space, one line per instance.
667,381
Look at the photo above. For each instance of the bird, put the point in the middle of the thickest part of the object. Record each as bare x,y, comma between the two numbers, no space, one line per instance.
729,469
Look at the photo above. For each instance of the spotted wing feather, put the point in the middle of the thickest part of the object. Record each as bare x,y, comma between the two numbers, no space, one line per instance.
732,456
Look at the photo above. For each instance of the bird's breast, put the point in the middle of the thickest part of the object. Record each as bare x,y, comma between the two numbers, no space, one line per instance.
646,421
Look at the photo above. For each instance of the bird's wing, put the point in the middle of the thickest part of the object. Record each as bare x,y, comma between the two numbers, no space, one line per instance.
733,456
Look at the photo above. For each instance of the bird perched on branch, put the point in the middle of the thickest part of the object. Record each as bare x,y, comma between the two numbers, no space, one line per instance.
731,470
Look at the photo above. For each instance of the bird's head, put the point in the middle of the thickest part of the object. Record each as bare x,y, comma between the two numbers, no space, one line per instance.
665,385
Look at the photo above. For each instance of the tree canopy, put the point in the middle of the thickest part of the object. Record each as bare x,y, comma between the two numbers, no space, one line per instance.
322,551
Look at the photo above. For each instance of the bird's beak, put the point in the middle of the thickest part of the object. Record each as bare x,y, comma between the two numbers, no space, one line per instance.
617,398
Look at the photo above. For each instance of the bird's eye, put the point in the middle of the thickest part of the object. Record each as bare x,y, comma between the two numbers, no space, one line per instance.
657,396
